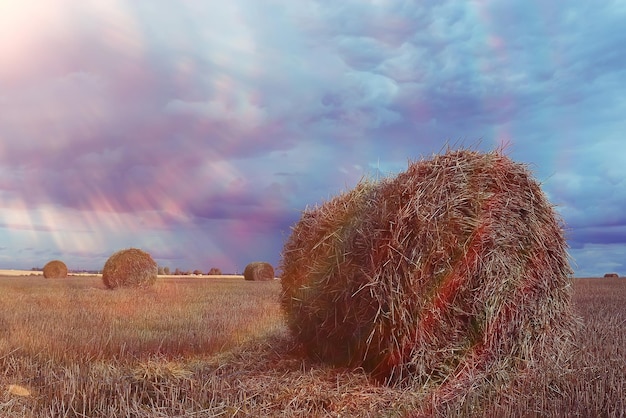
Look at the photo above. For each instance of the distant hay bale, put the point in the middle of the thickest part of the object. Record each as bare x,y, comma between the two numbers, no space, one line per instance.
258,271
453,273
129,268
611,276
55,269
214,272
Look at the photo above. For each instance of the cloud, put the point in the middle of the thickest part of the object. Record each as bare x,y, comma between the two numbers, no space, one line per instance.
594,260
189,124
224,109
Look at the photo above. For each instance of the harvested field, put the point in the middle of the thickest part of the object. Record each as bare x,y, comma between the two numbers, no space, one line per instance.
5,272
218,347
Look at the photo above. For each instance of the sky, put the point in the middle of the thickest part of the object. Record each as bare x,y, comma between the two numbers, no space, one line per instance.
200,130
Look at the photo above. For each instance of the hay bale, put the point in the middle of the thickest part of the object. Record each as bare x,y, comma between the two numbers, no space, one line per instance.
129,268
611,276
258,271
55,269
454,271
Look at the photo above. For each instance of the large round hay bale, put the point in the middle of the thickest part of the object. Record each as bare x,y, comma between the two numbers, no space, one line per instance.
129,268
258,271
55,269
453,270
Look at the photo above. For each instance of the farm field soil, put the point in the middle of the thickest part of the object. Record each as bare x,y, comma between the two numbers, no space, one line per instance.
216,346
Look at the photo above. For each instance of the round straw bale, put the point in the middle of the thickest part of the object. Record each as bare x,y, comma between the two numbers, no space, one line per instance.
454,269
55,269
129,268
258,271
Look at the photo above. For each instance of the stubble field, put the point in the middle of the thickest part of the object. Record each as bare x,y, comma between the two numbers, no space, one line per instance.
218,347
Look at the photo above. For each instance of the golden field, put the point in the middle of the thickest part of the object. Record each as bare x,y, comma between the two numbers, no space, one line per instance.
217,346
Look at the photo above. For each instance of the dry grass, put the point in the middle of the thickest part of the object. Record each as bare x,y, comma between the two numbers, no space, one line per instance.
79,320
218,347
4,272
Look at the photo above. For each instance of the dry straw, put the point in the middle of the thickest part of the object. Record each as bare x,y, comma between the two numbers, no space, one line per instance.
452,275
19,390
129,268
55,269
258,271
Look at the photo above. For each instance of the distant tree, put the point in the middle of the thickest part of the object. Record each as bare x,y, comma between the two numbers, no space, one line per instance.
178,272
215,272
166,270
197,272
160,270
